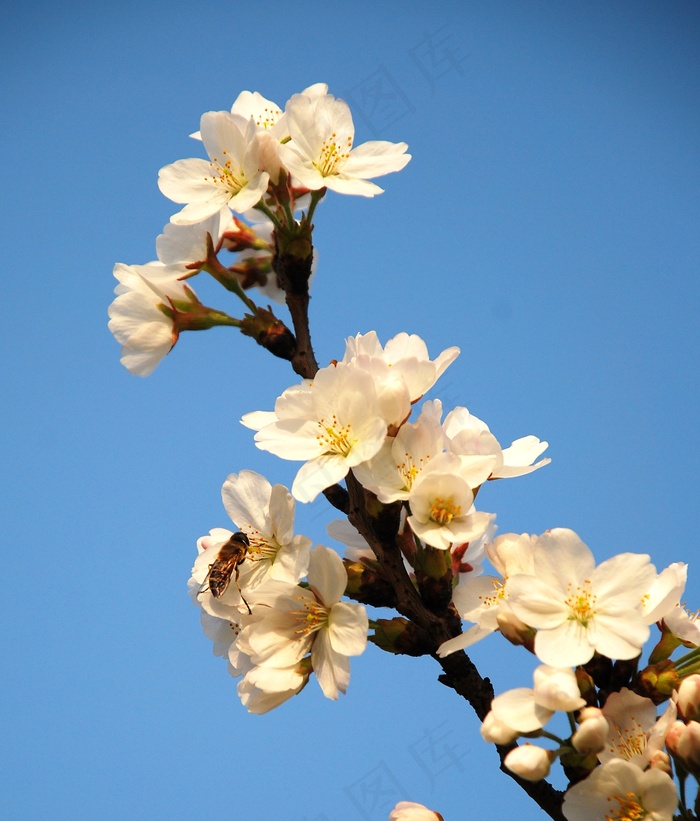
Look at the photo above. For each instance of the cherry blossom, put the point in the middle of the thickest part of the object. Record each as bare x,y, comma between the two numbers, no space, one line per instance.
410,811
441,501
466,434
321,153
232,176
265,513
406,354
529,709
484,599
187,244
618,789
332,422
579,608
289,622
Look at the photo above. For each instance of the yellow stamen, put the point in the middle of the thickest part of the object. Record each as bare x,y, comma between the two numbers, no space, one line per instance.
332,155
310,618
581,602
334,437
443,511
410,469
225,175
628,808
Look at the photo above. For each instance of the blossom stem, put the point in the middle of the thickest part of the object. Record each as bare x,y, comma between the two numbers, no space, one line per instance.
270,214
688,659
316,197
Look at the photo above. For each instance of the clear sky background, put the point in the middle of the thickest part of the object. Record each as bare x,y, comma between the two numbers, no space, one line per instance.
548,224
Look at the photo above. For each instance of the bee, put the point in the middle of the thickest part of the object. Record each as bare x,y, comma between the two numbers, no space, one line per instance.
231,556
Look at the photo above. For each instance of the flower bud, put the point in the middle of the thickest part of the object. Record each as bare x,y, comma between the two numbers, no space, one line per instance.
592,733
410,811
529,762
516,631
683,742
688,701
661,761
269,332
401,636
367,584
496,731
657,681
556,689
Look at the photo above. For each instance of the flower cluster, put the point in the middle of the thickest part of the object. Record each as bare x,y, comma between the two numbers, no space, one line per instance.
264,165
274,630
354,416
552,598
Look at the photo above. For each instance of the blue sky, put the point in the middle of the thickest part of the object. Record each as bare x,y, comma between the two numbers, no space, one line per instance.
547,224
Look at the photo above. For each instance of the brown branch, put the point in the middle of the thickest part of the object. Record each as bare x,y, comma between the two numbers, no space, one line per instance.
379,525
338,497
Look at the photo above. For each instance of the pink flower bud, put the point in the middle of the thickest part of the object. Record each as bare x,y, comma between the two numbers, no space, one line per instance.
661,761
683,742
688,701
592,733
529,762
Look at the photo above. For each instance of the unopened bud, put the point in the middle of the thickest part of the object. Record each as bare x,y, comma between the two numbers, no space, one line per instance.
402,637
433,569
270,332
243,238
556,689
586,685
516,631
529,762
683,742
661,761
496,731
592,733
657,681
367,584
688,701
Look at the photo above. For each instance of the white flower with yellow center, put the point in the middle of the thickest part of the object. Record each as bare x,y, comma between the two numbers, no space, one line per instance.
391,473
619,791
232,176
484,599
441,501
332,422
321,153
578,608
265,513
634,732
289,622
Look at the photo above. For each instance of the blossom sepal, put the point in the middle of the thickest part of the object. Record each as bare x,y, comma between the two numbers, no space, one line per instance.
190,315
367,584
658,681
269,332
